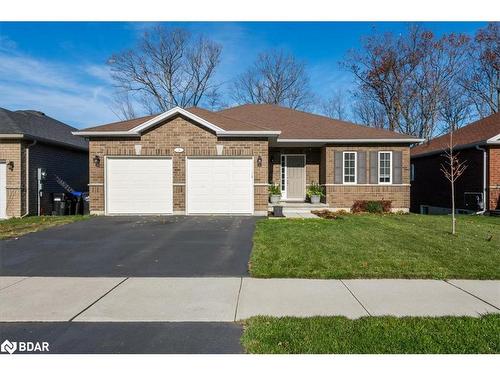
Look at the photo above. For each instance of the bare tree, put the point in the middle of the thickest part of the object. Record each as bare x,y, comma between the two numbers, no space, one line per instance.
275,78
369,112
452,169
482,81
168,68
455,109
407,76
122,106
335,106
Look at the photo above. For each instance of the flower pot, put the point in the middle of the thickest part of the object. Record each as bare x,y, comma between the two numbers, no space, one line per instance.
315,199
275,199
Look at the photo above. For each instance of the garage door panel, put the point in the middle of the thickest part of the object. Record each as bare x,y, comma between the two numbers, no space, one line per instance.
220,186
139,186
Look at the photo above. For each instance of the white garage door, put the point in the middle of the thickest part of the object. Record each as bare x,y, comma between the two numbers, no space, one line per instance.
220,186
3,191
139,186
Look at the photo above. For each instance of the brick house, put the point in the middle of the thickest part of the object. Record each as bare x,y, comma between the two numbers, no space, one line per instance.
29,141
197,161
478,189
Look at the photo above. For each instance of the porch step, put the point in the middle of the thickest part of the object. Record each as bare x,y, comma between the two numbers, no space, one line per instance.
299,207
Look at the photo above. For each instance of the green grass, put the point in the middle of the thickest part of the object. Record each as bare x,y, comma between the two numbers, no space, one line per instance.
377,335
16,227
376,246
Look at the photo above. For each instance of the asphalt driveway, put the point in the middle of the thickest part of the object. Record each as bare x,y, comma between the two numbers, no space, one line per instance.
175,246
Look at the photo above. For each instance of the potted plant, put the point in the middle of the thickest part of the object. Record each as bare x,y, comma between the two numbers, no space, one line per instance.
274,193
315,192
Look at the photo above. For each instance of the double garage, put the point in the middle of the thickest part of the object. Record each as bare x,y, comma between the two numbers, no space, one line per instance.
145,185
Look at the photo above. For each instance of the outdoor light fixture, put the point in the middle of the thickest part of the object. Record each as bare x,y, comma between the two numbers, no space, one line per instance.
10,164
259,161
97,160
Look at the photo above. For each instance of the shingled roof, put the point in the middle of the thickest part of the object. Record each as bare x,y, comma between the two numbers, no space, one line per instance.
291,124
303,125
36,125
476,133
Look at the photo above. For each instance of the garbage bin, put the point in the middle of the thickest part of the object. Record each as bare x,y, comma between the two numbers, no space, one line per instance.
58,204
86,203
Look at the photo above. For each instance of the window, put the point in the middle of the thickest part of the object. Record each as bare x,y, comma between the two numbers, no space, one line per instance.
349,167
384,167
412,172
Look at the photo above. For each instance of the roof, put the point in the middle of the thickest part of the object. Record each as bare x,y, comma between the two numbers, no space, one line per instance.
295,124
476,133
261,119
36,125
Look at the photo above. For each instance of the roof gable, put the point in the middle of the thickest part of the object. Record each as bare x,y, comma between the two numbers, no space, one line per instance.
221,125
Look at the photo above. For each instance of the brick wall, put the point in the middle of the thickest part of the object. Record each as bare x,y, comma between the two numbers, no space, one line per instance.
343,196
430,187
162,140
14,150
494,177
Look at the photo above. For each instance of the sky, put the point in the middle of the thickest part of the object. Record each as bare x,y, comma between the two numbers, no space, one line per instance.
60,68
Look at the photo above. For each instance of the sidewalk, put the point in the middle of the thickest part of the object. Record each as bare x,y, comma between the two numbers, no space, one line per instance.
231,299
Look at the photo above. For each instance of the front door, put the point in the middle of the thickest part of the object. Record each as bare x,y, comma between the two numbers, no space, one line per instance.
295,177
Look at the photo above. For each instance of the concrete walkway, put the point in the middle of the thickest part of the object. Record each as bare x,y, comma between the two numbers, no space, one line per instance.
227,299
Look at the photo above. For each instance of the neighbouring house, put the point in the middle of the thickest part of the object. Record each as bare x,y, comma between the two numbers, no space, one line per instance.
195,161
478,189
31,144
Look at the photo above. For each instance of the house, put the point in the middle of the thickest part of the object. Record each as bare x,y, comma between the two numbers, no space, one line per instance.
38,154
195,161
478,189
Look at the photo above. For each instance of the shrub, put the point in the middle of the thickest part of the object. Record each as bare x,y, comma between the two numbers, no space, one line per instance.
315,189
371,206
274,189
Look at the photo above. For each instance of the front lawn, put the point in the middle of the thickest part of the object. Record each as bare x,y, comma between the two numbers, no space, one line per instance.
376,335
376,246
16,227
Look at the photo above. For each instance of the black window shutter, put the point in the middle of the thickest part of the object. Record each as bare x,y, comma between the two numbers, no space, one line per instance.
339,161
361,167
397,167
373,167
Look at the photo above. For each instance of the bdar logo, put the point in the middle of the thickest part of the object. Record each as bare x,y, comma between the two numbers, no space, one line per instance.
8,347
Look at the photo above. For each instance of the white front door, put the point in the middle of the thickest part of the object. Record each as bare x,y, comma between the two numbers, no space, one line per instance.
219,186
293,177
3,191
139,186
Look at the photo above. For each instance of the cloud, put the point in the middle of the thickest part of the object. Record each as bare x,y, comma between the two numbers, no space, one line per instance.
79,95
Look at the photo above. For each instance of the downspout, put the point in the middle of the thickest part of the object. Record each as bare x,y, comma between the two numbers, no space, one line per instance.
27,182
485,164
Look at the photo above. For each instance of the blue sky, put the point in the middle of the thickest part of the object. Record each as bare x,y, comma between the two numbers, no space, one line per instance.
60,68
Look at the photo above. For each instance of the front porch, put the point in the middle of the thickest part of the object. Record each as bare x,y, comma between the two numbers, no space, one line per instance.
346,172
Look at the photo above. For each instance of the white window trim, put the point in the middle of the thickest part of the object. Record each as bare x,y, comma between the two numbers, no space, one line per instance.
390,167
355,168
